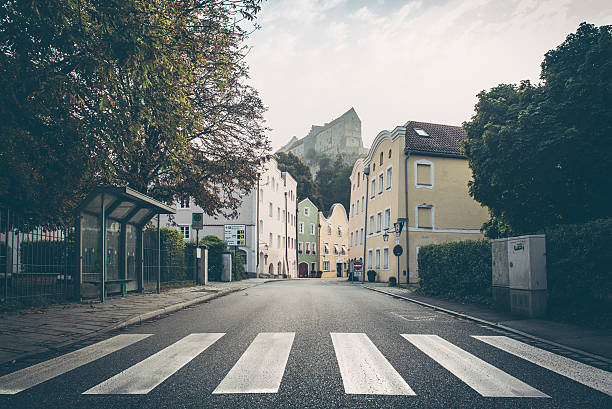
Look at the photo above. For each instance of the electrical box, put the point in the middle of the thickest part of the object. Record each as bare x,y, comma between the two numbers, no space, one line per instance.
500,289
527,262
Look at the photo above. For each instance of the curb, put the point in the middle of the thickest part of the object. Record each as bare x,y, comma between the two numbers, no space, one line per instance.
495,325
138,319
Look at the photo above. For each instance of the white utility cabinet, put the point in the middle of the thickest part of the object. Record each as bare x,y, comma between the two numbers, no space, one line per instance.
527,262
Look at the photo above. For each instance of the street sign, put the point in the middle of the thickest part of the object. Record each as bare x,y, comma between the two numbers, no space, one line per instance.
197,221
358,265
398,250
235,235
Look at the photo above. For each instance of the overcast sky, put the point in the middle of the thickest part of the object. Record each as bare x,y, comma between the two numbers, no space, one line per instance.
395,61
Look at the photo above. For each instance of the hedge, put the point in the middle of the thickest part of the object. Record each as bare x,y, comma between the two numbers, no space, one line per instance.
459,270
174,265
579,272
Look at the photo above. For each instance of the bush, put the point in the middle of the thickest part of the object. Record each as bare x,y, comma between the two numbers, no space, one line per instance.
579,272
173,262
238,271
216,247
459,270
371,275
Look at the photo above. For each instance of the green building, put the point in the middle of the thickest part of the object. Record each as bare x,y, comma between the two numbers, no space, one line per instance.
307,238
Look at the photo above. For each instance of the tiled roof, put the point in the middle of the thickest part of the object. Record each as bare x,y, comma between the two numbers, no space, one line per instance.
442,139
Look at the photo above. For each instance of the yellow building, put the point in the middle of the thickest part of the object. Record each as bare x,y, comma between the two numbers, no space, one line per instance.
416,173
333,242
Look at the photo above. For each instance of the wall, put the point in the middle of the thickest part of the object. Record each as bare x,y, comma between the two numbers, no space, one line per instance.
306,237
334,232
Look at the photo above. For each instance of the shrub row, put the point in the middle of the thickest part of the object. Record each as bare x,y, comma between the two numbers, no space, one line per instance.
459,270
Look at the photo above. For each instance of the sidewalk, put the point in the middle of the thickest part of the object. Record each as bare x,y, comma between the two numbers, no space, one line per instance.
28,332
590,340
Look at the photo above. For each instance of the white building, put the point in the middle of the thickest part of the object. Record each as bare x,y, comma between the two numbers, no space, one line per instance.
273,236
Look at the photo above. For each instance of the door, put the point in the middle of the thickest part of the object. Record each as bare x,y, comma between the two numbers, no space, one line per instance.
338,269
303,270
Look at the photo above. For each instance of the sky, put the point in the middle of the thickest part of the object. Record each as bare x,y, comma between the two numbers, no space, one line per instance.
395,61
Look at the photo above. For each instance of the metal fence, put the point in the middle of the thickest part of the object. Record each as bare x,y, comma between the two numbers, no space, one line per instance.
39,262
34,261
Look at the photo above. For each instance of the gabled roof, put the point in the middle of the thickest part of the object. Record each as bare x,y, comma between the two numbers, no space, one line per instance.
307,199
441,139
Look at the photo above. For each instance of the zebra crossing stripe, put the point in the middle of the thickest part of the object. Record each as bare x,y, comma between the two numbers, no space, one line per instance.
146,375
260,369
28,377
364,369
585,374
479,375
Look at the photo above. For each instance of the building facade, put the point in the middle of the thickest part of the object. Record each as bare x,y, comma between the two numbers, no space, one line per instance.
308,230
415,173
340,136
268,213
333,242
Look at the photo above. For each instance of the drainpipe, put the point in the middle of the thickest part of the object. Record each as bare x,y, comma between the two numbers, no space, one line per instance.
366,171
295,245
407,219
286,237
257,198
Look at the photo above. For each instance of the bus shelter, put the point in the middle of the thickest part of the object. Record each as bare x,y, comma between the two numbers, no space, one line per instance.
110,241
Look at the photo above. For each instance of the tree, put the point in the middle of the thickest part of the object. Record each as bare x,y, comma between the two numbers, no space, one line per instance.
333,183
148,93
289,162
541,155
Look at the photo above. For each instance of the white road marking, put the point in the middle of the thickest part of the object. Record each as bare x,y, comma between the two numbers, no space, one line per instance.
585,374
147,374
479,375
28,377
364,369
260,369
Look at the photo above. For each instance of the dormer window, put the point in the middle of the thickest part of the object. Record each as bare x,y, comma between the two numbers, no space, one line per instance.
421,132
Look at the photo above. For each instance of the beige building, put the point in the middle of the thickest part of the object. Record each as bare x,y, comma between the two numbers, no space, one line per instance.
333,242
416,173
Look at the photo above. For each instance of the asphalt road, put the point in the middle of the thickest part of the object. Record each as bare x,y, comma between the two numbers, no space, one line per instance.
304,343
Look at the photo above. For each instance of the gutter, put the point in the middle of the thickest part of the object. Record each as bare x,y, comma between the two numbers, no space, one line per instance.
407,152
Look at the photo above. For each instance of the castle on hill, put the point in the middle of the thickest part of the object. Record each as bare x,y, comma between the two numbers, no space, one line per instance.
340,136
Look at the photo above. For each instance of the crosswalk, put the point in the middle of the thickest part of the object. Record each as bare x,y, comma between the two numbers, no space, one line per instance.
363,368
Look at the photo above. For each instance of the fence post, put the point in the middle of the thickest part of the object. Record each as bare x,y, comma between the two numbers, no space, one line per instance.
103,250
140,259
6,254
77,278
158,255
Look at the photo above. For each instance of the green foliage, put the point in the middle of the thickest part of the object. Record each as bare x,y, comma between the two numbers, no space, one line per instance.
238,271
371,275
216,247
459,270
174,265
541,155
289,162
579,272
333,183
143,93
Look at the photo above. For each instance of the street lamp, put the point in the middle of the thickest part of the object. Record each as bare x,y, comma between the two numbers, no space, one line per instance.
386,236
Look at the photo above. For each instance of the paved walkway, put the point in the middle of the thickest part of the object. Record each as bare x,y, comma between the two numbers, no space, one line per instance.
594,341
28,332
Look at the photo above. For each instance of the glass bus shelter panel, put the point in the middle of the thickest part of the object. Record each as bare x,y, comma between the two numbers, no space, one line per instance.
113,256
90,232
122,210
132,273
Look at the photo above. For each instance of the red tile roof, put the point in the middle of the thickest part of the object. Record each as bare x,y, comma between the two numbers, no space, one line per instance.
442,139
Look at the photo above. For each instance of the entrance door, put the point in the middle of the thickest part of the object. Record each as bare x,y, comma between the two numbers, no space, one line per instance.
303,270
339,269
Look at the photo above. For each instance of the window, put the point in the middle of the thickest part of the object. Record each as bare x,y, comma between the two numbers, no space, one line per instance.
370,259
425,216
381,158
377,258
361,237
339,231
371,224
307,211
184,203
357,206
278,242
386,258
271,210
389,153
362,203
352,210
312,266
381,182
389,177
185,230
326,248
300,246
378,222
314,248
423,173
307,247
421,132
326,266
301,228
351,240
373,188
358,179
270,241
387,219
335,249
278,213
312,228
329,230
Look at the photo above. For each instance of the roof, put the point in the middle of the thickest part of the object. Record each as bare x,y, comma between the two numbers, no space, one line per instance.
442,139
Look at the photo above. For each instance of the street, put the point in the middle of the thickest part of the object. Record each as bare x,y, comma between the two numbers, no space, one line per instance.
305,343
